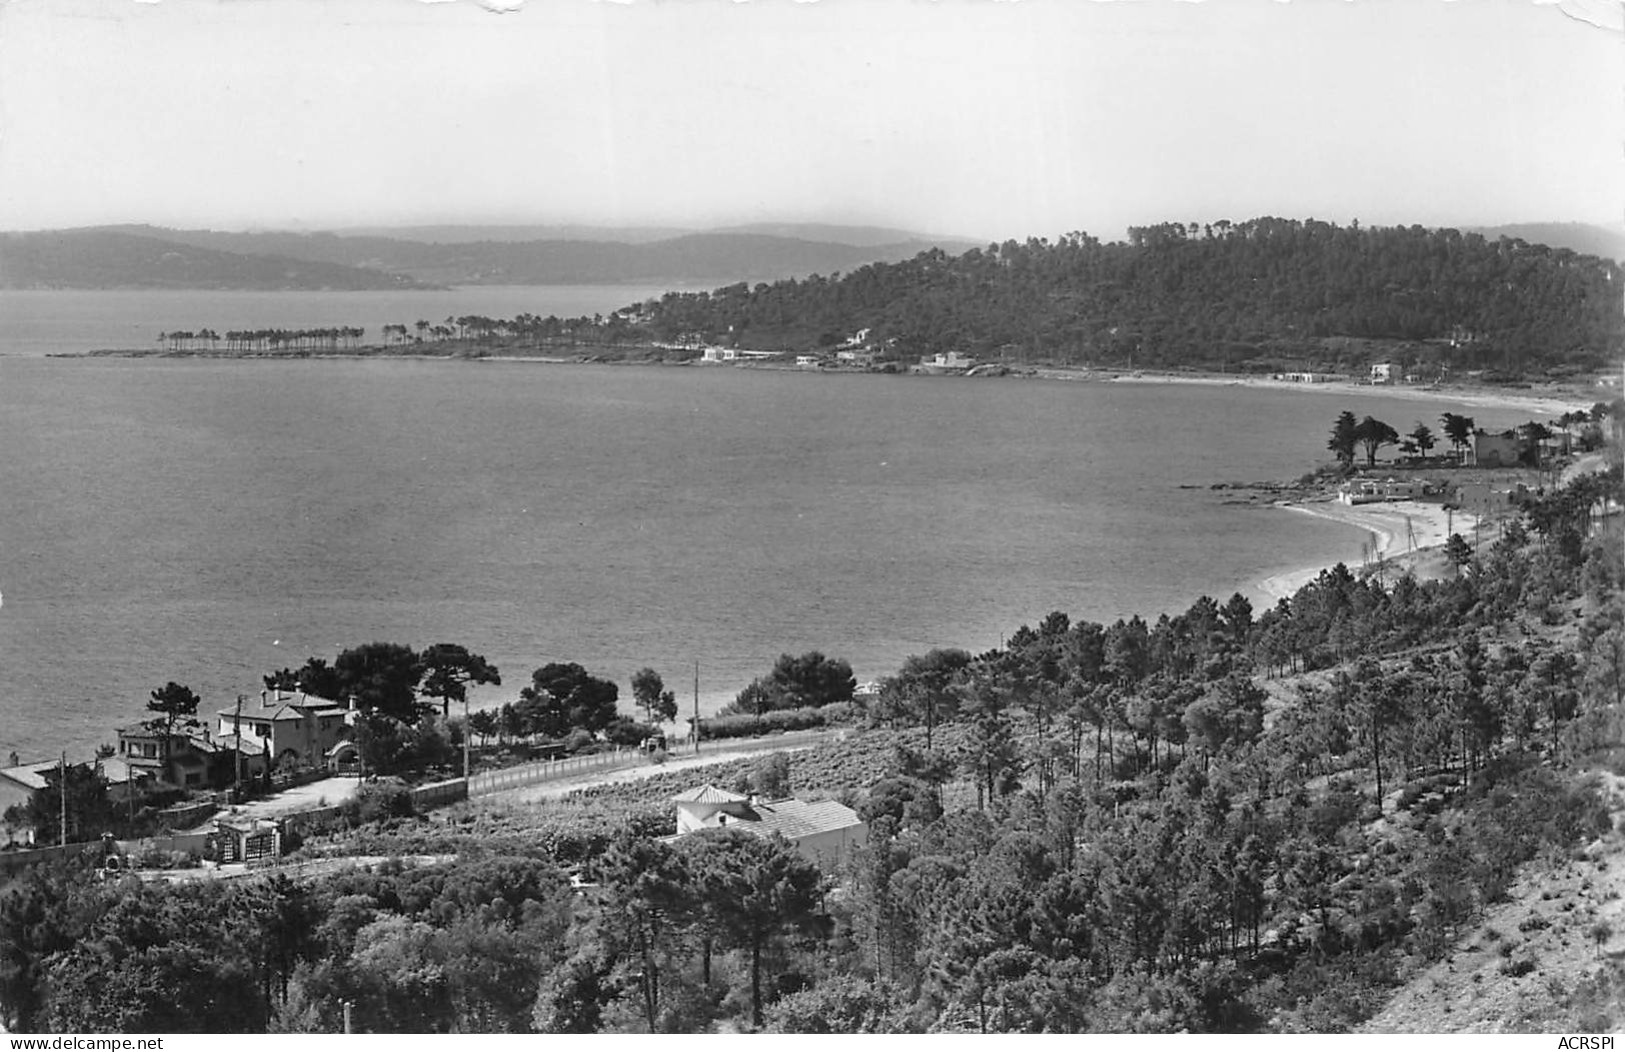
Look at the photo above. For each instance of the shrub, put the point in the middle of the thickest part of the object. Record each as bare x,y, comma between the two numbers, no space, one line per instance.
1534,922
768,723
1409,795
624,731
382,798
1518,968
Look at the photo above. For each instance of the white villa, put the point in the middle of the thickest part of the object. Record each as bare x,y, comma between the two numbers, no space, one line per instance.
824,831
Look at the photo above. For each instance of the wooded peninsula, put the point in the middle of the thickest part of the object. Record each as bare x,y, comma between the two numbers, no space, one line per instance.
1257,297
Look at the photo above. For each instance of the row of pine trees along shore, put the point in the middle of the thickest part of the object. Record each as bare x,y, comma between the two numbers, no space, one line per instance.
1220,820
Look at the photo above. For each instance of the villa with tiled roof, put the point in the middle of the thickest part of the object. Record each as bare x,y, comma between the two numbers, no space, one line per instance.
295,730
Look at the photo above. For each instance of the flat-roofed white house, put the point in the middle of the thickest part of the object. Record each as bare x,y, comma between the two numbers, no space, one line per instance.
823,831
951,360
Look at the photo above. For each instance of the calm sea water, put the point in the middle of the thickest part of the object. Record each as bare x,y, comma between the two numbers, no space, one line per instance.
209,521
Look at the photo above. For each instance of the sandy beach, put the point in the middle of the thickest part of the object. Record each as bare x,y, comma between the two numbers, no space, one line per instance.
1399,531
1542,404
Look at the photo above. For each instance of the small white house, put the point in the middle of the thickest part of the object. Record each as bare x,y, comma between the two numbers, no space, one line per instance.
1382,373
951,360
824,831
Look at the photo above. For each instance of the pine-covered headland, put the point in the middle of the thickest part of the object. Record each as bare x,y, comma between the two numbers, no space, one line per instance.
1262,296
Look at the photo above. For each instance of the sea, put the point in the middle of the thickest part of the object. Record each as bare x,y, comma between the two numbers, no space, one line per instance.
210,521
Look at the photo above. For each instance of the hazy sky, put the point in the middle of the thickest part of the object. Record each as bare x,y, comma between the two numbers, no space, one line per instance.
967,117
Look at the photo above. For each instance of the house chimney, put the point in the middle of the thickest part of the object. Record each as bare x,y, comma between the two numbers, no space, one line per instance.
262,699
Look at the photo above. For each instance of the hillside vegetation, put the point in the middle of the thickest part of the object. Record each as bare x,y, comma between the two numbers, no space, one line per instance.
1092,828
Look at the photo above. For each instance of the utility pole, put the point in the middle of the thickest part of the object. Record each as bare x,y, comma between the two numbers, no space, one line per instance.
467,730
696,708
62,796
237,740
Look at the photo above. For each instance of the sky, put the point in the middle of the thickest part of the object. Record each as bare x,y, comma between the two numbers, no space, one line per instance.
955,117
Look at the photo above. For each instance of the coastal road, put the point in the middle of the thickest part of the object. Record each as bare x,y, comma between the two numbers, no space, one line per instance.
713,753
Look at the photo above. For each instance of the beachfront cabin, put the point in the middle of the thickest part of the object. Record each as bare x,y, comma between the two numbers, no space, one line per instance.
1372,491
719,354
807,361
1382,373
953,360
822,831
1496,450
295,730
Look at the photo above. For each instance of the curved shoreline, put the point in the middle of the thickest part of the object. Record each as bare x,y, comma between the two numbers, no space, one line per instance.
1546,403
1401,531
1551,403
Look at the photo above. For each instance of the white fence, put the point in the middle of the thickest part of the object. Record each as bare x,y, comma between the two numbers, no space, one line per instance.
547,770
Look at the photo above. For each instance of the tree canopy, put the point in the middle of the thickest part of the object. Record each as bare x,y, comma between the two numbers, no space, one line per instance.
562,697
808,681
449,669
650,693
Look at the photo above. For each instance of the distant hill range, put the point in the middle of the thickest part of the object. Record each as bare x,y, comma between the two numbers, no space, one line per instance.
438,256
115,259
417,257
1586,238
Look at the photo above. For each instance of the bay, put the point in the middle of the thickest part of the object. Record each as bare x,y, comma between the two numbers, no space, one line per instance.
211,521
